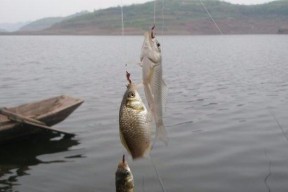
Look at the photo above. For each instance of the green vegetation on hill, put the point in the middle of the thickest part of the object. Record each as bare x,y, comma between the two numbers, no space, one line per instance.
179,17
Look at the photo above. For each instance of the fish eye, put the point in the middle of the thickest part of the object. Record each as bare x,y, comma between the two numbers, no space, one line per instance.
131,94
158,44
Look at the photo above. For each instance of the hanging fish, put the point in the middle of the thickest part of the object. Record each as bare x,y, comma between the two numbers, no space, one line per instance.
154,86
134,123
123,177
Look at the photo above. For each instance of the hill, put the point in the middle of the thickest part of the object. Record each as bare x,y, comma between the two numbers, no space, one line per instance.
41,24
11,27
45,23
180,17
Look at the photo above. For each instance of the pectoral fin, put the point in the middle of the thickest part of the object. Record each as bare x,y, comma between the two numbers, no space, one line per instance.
148,92
164,95
149,97
124,142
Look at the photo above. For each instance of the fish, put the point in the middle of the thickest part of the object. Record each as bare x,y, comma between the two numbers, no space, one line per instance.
135,123
123,177
155,87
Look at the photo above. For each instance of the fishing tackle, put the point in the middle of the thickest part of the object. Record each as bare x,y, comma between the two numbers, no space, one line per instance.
128,77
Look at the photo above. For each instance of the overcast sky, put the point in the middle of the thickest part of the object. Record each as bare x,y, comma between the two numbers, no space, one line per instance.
12,11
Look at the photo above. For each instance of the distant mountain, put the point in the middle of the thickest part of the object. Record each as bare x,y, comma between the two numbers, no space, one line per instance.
45,23
180,17
11,27
41,24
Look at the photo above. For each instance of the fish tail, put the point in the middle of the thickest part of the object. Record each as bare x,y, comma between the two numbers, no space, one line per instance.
161,133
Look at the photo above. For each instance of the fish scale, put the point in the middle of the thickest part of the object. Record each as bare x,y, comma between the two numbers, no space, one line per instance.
134,124
154,86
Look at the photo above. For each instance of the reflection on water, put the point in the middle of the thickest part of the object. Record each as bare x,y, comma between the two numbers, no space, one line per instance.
17,158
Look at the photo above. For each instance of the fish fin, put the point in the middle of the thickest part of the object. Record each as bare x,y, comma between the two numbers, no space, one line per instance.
164,95
147,152
148,89
150,99
151,73
140,64
161,133
124,142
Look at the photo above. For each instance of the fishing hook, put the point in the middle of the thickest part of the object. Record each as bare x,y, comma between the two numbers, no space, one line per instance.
129,80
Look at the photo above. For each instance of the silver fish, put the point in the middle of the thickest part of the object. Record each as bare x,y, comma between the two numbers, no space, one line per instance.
134,123
123,177
154,86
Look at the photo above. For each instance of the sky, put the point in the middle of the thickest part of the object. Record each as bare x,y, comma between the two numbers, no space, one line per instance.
12,11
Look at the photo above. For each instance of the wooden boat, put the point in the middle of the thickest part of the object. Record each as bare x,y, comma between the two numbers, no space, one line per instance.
31,118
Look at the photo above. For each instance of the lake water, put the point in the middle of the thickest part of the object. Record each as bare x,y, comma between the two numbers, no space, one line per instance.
226,113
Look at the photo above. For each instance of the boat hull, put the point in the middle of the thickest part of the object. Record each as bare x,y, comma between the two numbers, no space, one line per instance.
50,111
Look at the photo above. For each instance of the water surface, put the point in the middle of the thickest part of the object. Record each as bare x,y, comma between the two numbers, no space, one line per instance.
226,113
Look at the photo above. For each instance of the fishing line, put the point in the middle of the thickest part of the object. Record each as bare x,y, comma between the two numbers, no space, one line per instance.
123,35
151,160
143,184
277,122
157,173
269,172
274,118
154,12
122,19
210,16
162,14
282,132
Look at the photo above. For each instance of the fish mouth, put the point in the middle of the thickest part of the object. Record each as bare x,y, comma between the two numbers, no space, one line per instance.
123,166
148,39
150,43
